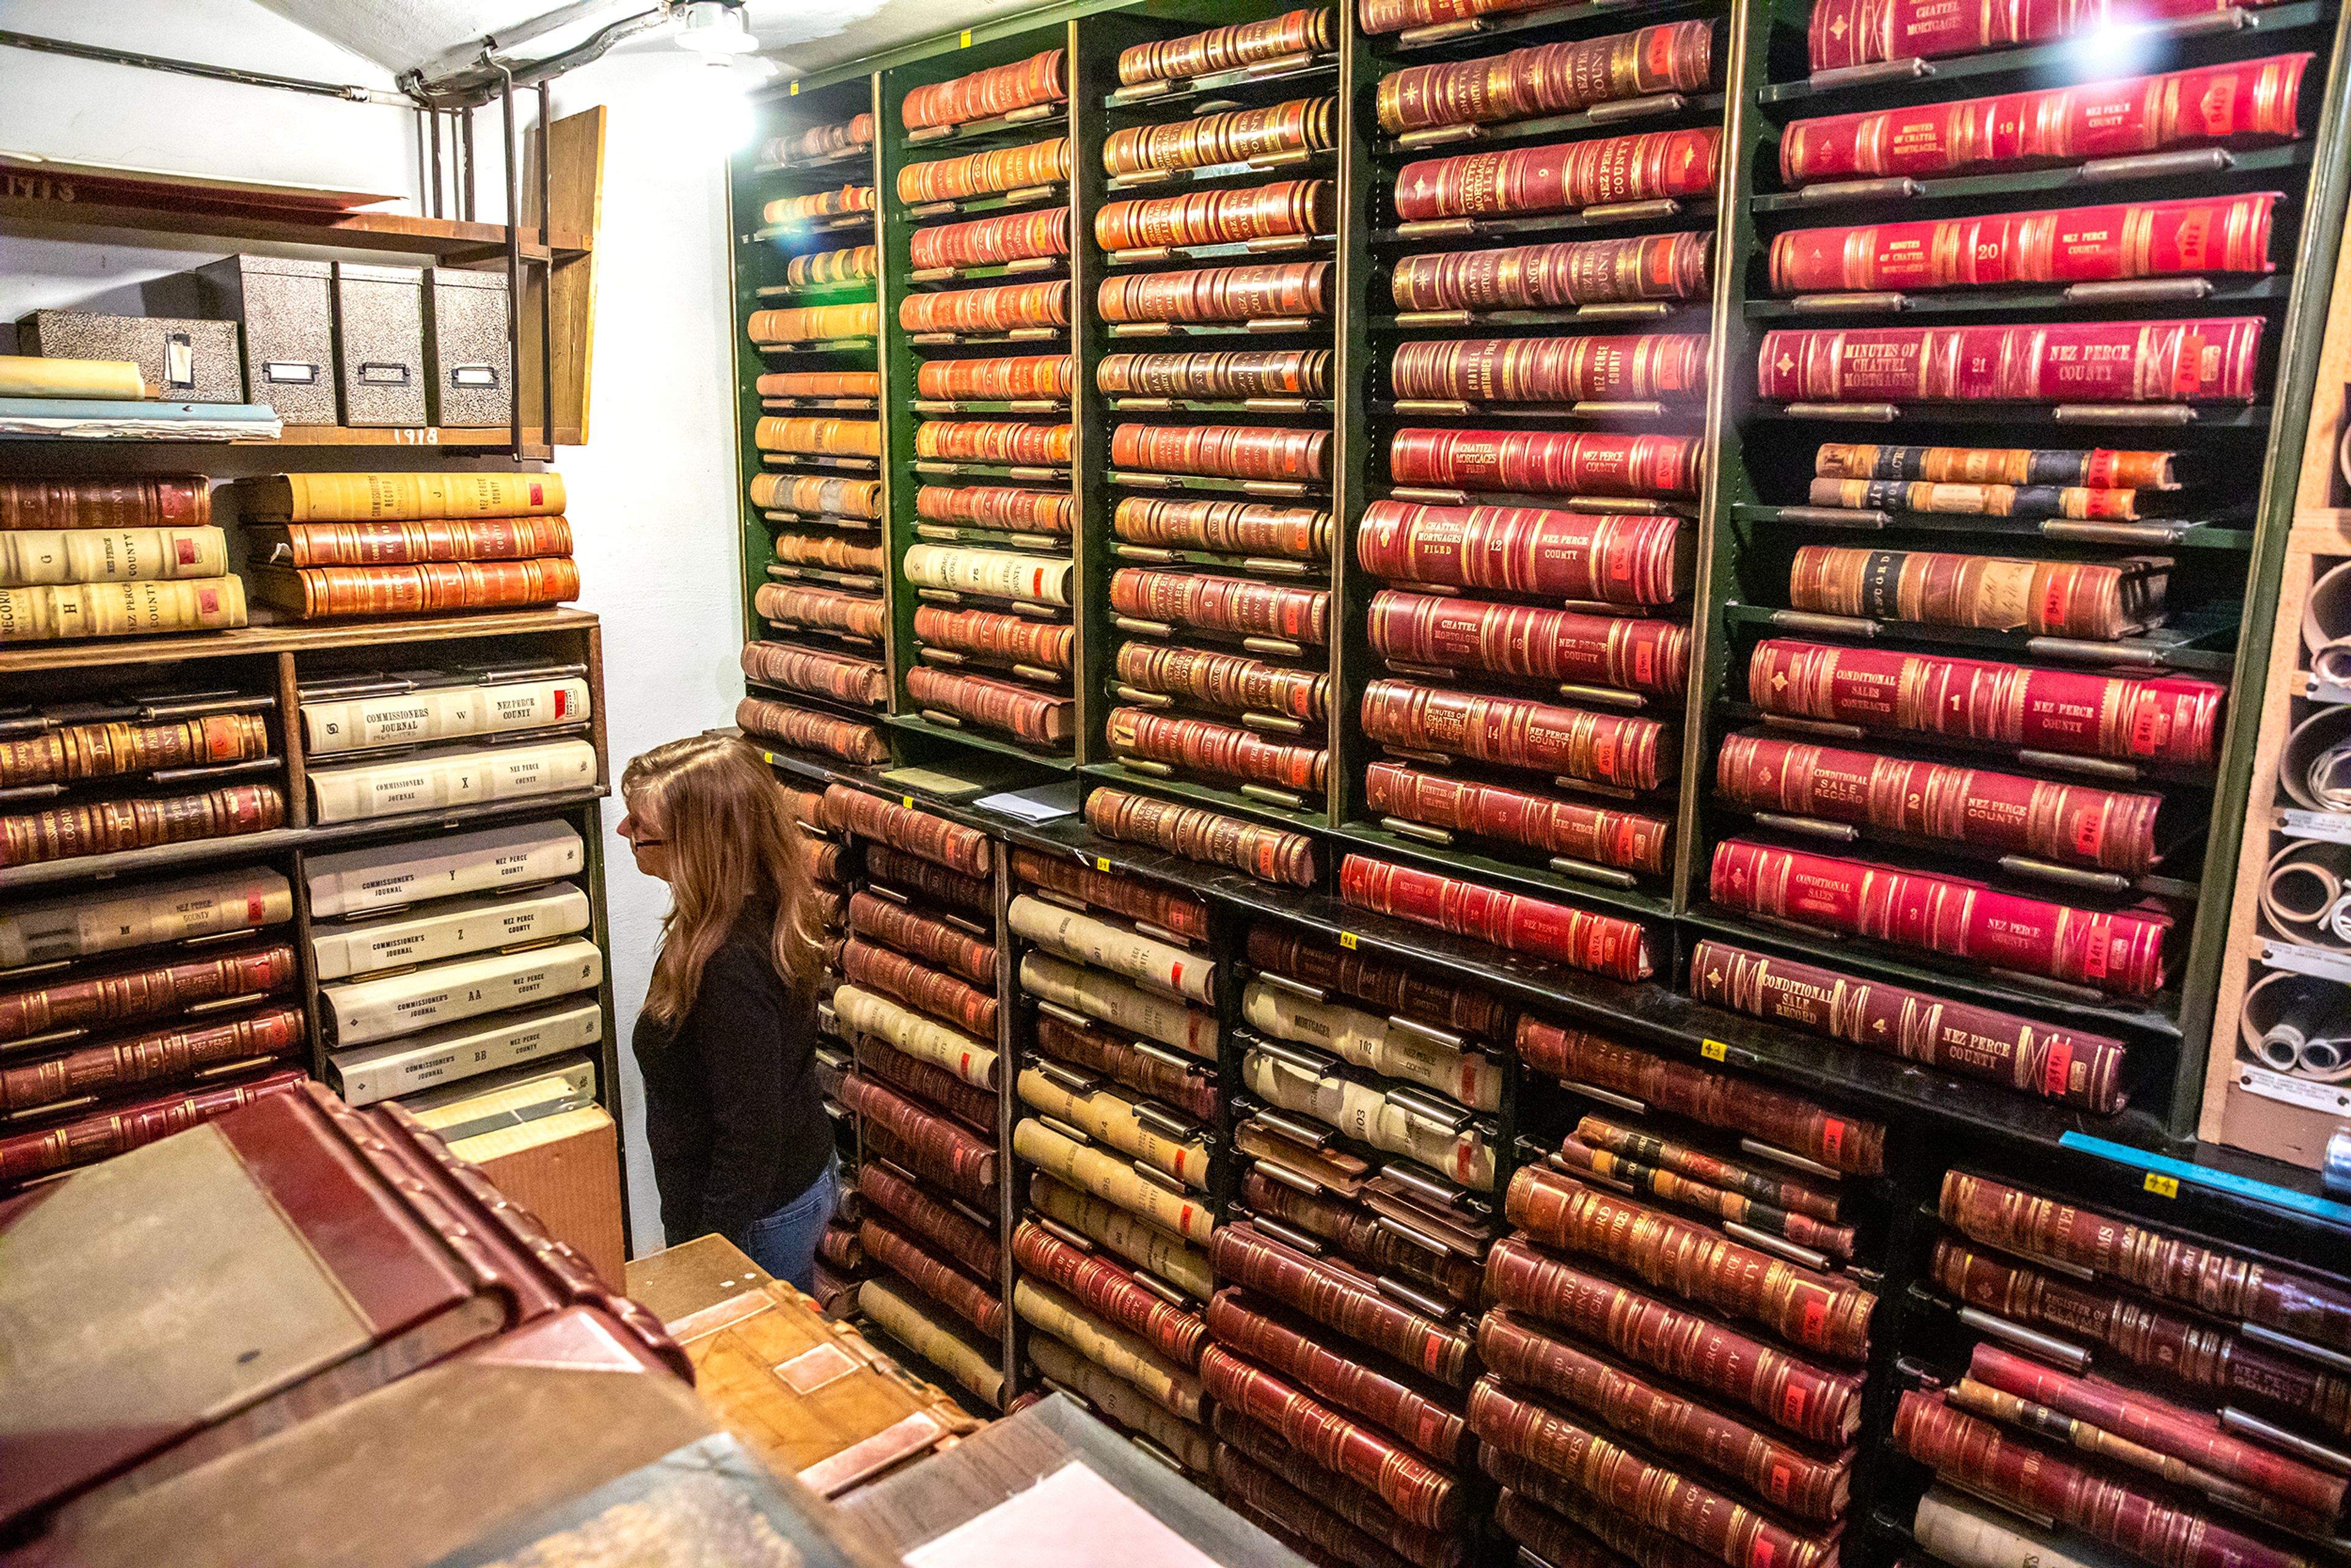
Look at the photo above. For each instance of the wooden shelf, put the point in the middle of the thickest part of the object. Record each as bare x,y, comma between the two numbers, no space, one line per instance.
271,635
443,239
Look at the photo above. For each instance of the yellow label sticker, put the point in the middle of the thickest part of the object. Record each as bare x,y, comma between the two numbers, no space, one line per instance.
907,801
1347,940
796,89
966,42
1102,863
2162,1185
1713,1049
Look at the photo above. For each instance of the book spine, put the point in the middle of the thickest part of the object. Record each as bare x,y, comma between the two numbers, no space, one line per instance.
934,1086
1266,290
1234,606
845,680
1227,49
131,995
806,731
806,322
2063,599
1627,752
923,937
1242,527
994,506
1001,574
1850,33
1356,1504
985,173
820,383
1103,1287
445,713
103,750
843,1249
180,501
1013,638
1170,911
380,497
1632,653
1194,1093
431,781
1357,1236
1992,813
1633,1143
1229,451
105,1070
968,1299
1282,208
122,1128
1000,309
1418,1491
1400,990
2118,953
1114,1350
1537,1490
1603,555
435,585
1302,125
1413,1417
1624,838
801,493
1645,167
2227,1286
1563,1545
2208,359
830,551
993,240
1198,746
2099,468
1581,1460
985,95
856,437
106,827
1660,366
992,441
1551,79
1368,1115
2075,245
1545,276
1211,838
903,1320
1242,373
969,1243
847,264
1369,1042
1396,16
915,1035
1295,1520
894,974
2166,719
937,1147
1009,376
1113,1180
893,867
1342,1300
1111,1119
1979,1456
1850,1143
1978,500
1031,715
1786,1390
1129,1235
1603,944
786,211
47,557
1227,681
959,849
1649,1180
1819,1313
148,608
1550,462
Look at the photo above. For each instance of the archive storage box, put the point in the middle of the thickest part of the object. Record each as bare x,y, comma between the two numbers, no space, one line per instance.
286,311
181,360
470,357
380,343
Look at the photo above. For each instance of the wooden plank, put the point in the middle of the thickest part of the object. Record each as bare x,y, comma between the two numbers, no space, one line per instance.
575,155
407,233
2320,485
271,635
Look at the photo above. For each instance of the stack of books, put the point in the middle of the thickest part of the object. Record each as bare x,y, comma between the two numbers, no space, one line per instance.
112,558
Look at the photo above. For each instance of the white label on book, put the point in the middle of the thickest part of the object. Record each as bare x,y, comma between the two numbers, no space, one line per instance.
449,929
368,1011
372,1073
380,877
143,917
441,712
433,781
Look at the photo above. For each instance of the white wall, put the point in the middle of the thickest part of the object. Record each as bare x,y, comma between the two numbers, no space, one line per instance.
651,500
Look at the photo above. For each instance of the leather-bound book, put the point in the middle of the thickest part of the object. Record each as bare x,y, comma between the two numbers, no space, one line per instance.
1352,1500
77,751
921,936
998,574
2029,1225
121,609
1002,308
1340,1297
396,498
1646,166
1983,1459
1568,1529
1550,79
1296,1520
1420,1493
2074,502
1367,1113
1022,376
1242,527
1846,33
1703,1094
315,593
1968,809
113,1130
1540,277
843,1249
832,551
973,1301
1603,944
1796,1196
1573,828
932,1086
894,974
985,173
1624,752
985,95
1821,1312
136,992
165,501
936,1147
1299,125
811,323
1126,1234
1234,374
1654,367
992,441
1792,1479
1238,607
910,1319
1122,1405
2207,360
1228,48
1390,986
1423,1415
1129,1357
1178,913
2096,600
2119,953
1356,1234
1191,1089
2099,468
1265,291
991,241
2239,102
1218,751
105,827
855,499
1561,1460
104,1072
1218,216
949,1229
1014,639
918,832
852,614
1116,1121
1112,1180
2169,719
2073,245
1397,15
861,682
1151,1014
1608,557
806,729
917,877
1630,653
1109,1292
1616,1167
1267,853
1374,1043
877,1017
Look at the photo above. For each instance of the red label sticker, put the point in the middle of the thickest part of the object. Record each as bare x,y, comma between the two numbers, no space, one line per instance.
1176,976
254,909
1832,1136
563,699
1815,1324
538,494
1792,1406
1779,1484
2058,1067
187,551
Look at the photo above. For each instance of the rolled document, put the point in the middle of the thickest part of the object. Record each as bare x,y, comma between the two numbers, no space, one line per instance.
1087,940
1369,1040
27,375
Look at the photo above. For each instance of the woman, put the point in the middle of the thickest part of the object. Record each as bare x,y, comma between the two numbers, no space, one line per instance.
726,1040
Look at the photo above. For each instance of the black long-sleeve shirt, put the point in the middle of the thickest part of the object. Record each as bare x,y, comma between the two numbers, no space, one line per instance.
733,1116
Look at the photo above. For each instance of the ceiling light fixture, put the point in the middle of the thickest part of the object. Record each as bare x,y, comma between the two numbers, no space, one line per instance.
713,27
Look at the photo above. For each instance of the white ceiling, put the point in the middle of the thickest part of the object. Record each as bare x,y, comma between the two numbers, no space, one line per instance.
800,35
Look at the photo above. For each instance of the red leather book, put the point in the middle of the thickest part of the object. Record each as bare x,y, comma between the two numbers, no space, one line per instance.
901,827
1396,16
820,140
1554,462
1230,451
418,590
948,1229
2048,1059
1790,1393
1341,1298
834,676
1550,79
920,936
2240,102
1170,911
103,1072
1300,125
2028,1224
103,826
1228,48
1550,1536
1860,32
2217,1363
1701,1094
1644,167
1269,854
1242,527
2211,359
1194,1093
1540,277
966,1296
1198,746
992,441
985,95
821,383
1970,808
859,614
1578,556
1818,1311
2172,719
1393,987
165,501
1677,1428
1356,1234
1586,832
2286,1484
1633,652
2071,245
2098,468
135,992
991,241
1214,216
1016,639
1355,1503
1423,1416
77,751
832,551
1224,681
1603,944
1236,373
1109,1291
1296,1520
2120,953
1265,290
1984,1459
934,1146
1628,752
1779,1190
1660,366
1000,308
1009,376
932,1087
894,974
397,543
1043,163
1418,1491
2092,599
841,1246
1621,1168
1976,500
919,878
994,506
1562,1459
1020,710
1239,607
806,730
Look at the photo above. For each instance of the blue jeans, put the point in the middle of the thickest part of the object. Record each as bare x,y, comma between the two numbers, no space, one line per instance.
784,1242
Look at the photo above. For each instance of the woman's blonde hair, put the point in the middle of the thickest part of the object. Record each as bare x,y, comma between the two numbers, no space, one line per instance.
733,845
